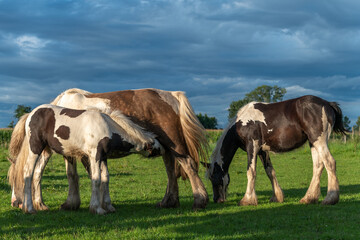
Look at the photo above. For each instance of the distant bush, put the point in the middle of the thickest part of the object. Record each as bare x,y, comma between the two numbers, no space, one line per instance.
5,136
213,135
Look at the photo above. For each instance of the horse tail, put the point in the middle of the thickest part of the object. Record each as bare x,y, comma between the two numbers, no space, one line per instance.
130,131
16,170
17,138
193,131
339,124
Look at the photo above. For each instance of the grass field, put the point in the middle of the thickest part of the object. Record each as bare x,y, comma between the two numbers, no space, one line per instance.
136,184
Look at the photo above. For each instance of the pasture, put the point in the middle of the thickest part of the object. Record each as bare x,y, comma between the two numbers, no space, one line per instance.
137,183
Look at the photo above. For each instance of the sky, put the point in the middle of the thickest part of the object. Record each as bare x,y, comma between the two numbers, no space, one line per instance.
215,51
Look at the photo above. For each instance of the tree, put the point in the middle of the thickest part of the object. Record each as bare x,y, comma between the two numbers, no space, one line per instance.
207,122
357,124
236,105
263,93
11,124
346,122
21,110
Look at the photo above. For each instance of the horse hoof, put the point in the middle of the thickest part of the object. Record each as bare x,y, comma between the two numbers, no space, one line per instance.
168,202
309,201
16,204
331,198
97,210
41,207
247,202
330,201
200,203
199,206
29,210
69,207
110,209
277,199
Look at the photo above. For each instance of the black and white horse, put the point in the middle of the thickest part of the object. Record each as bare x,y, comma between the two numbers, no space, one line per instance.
74,134
260,128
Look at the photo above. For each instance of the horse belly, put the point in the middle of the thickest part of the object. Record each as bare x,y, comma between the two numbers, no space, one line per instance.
284,139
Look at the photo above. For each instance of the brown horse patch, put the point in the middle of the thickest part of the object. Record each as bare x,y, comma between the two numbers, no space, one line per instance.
43,121
63,132
73,113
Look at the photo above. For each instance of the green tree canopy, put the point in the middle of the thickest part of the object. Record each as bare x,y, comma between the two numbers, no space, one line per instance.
347,122
262,93
207,122
21,110
357,124
11,124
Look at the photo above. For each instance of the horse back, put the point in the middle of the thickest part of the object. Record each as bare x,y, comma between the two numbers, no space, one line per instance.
154,110
286,125
65,130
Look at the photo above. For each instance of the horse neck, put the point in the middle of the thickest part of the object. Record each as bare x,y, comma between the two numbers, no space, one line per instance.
226,148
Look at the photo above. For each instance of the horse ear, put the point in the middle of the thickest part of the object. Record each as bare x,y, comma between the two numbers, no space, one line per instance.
207,165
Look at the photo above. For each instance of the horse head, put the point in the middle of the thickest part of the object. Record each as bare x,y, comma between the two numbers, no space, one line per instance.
220,181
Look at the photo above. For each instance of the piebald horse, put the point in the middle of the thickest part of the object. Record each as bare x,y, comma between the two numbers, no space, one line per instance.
73,133
167,114
259,128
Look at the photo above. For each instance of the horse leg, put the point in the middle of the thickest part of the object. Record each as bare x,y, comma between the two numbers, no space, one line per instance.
332,196
38,172
250,197
171,198
278,195
73,200
313,193
95,203
86,163
104,188
201,197
28,175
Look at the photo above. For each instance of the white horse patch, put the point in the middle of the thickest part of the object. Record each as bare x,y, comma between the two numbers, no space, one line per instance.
249,113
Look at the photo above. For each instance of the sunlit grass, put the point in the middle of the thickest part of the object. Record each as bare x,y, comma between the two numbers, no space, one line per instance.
137,184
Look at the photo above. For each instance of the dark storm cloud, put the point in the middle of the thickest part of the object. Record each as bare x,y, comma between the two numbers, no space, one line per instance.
215,51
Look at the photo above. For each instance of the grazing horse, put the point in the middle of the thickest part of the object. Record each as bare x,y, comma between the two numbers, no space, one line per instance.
260,128
74,134
167,114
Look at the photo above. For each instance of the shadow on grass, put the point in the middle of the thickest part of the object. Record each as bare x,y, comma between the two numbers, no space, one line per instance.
220,221
297,193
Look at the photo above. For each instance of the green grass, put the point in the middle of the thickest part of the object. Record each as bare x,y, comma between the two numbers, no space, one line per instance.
136,184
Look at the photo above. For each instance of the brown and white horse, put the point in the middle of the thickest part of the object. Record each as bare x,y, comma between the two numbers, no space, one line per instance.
167,114
73,133
260,128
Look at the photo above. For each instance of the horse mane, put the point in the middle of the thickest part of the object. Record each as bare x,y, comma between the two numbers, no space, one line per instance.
193,130
69,91
215,156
